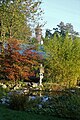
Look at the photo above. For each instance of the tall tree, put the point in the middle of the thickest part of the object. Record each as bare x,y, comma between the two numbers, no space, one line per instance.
66,28
15,16
62,29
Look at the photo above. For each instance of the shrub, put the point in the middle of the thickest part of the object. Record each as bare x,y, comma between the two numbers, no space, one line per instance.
18,101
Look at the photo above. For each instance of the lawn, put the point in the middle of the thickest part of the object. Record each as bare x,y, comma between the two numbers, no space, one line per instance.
8,114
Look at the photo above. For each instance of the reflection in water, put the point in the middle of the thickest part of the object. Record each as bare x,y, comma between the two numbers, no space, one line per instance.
44,96
44,93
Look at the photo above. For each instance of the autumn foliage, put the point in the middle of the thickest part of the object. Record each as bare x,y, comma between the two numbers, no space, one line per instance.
16,63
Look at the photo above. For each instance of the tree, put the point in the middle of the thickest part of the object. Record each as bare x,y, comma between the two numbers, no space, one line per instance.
66,28
48,33
63,60
15,17
62,29
17,64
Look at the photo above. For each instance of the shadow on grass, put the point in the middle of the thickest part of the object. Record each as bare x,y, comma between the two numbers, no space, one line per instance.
7,114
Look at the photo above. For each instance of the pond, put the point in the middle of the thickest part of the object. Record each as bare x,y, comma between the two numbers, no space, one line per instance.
31,94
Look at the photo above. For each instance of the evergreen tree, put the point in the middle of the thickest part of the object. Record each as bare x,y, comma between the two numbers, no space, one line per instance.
62,29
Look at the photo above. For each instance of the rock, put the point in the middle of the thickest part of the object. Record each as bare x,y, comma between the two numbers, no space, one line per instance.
4,86
26,90
35,85
72,91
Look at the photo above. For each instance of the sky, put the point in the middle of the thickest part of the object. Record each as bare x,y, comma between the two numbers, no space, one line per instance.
67,11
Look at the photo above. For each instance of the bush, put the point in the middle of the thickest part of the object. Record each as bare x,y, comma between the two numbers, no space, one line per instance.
18,101
66,105
3,92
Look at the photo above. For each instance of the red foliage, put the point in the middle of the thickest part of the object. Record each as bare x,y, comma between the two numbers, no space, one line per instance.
16,65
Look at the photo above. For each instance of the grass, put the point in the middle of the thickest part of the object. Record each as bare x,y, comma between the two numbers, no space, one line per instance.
8,114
